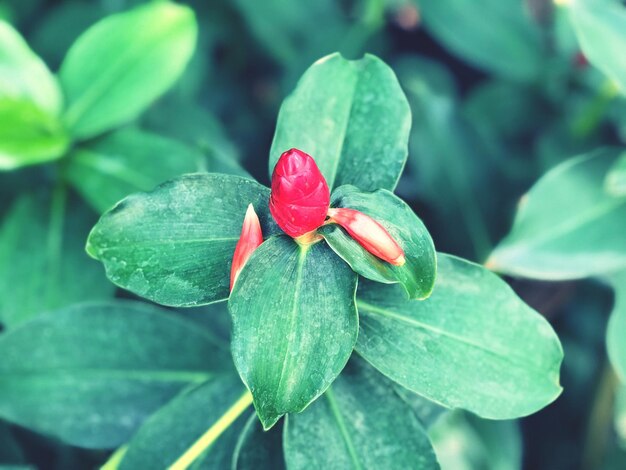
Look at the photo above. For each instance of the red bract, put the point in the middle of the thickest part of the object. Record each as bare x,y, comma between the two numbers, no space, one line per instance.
300,197
370,234
251,237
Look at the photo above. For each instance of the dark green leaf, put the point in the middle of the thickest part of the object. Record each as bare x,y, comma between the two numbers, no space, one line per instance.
258,449
359,423
125,162
352,117
91,373
616,330
294,324
124,62
10,451
472,344
417,275
567,226
615,182
174,245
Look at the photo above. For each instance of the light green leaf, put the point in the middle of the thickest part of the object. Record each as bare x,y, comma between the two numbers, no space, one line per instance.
171,431
258,449
91,373
497,35
359,423
616,330
417,275
567,226
125,162
615,182
42,266
123,63
174,245
620,412
473,344
24,76
294,324
352,117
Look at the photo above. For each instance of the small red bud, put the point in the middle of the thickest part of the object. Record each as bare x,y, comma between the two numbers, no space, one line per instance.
251,237
370,234
300,196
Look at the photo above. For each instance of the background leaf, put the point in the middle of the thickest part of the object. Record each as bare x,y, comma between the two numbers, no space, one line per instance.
174,245
294,324
616,329
615,181
91,373
352,117
473,344
258,449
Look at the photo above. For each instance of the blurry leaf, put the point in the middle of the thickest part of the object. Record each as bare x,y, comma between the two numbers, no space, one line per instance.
166,435
24,76
258,449
10,451
124,62
28,135
417,275
616,330
496,35
620,413
615,181
464,442
294,324
90,374
125,162
473,344
174,245
42,265
358,423
352,117
567,226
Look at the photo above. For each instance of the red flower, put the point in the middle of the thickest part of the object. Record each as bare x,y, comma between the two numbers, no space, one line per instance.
251,237
300,196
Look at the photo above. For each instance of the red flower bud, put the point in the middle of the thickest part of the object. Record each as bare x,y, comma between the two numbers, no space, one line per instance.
300,196
251,237
370,234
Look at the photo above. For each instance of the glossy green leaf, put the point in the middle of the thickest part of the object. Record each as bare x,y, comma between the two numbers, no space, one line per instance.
567,226
352,117
294,324
497,35
616,330
615,182
359,423
42,266
23,75
258,449
473,344
417,275
91,373
174,245
123,63
172,430
125,162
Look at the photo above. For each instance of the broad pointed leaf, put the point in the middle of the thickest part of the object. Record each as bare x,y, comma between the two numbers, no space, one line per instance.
417,275
473,344
174,245
352,117
294,324
616,330
258,449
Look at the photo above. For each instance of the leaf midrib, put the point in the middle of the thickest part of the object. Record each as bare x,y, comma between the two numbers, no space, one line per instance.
332,401
91,159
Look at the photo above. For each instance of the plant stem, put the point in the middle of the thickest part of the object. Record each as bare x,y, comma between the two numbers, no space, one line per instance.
115,459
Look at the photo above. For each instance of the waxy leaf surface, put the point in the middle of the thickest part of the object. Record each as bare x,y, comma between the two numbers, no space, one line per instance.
473,344
174,245
352,117
91,373
294,324
616,330
417,275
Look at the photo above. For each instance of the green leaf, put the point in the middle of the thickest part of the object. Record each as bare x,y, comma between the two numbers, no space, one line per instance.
359,423
615,182
352,117
125,162
24,76
119,66
10,451
600,27
567,226
91,373
417,275
258,449
497,36
294,324
172,430
616,330
174,245
41,264
473,344
28,135
620,412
